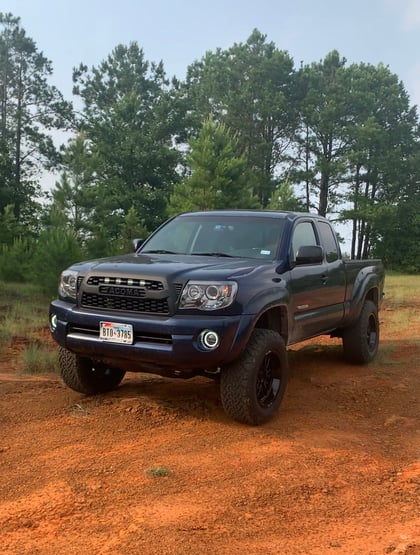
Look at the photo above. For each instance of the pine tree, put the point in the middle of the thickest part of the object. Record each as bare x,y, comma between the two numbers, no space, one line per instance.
219,176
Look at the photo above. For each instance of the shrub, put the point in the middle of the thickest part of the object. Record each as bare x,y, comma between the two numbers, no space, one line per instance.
16,259
55,250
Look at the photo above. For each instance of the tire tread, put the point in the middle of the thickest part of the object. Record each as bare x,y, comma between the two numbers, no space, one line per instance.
355,347
78,374
237,385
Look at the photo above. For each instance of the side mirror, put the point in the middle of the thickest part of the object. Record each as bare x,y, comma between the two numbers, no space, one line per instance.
137,243
310,254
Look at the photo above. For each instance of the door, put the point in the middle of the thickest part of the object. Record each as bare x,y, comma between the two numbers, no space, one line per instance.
314,287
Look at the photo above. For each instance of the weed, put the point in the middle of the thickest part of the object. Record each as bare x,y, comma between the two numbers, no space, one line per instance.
38,359
158,472
78,408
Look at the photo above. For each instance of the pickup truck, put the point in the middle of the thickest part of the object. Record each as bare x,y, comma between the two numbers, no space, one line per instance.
220,294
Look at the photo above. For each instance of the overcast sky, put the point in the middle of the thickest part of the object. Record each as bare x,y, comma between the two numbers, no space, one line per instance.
179,32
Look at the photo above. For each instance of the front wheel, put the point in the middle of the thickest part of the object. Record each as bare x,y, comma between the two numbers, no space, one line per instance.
85,376
252,387
361,340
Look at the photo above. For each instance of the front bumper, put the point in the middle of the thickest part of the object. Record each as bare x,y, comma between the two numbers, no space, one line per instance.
159,341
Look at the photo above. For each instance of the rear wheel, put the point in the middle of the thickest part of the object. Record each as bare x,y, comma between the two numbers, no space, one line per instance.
253,386
85,376
361,341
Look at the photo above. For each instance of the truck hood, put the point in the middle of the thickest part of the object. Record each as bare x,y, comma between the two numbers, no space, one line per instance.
172,266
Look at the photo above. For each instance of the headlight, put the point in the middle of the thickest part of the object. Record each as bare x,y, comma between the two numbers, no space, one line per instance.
208,295
68,285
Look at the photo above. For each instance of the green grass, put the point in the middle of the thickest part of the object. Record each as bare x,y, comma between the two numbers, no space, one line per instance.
402,289
23,314
39,359
23,311
401,307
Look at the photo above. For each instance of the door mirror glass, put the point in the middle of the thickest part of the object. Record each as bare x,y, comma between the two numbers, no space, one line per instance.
309,254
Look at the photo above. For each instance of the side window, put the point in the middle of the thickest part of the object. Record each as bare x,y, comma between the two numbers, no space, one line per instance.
328,241
303,235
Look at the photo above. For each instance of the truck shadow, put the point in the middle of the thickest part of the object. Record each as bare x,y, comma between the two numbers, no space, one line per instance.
165,399
322,385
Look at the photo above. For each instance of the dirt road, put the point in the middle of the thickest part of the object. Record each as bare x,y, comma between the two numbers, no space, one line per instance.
157,468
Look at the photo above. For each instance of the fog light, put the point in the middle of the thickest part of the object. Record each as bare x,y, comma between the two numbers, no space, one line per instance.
209,340
53,322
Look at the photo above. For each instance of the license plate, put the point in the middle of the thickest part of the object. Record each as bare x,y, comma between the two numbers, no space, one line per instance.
116,333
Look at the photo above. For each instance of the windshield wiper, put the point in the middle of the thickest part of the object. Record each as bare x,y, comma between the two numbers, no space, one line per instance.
213,254
159,251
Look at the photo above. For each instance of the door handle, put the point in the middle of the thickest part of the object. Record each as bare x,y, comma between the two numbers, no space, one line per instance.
324,279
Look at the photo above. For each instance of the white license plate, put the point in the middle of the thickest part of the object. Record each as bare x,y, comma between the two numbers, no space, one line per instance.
115,332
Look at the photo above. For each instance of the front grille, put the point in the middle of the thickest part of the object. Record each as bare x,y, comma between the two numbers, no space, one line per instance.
128,304
129,294
79,282
178,289
148,284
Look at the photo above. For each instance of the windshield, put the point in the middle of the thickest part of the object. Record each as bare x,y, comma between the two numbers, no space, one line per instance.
235,236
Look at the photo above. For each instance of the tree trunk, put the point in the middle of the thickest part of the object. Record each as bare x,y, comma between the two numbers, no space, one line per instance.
18,146
307,157
4,101
323,194
355,209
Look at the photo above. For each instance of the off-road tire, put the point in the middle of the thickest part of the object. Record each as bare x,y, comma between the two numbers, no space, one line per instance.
83,375
252,387
361,340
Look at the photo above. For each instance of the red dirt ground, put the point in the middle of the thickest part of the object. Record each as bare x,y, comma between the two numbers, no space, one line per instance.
157,468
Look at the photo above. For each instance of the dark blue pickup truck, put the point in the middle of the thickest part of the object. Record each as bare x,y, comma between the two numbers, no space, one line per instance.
220,294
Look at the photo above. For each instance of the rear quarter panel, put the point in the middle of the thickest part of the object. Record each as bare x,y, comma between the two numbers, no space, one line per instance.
365,280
